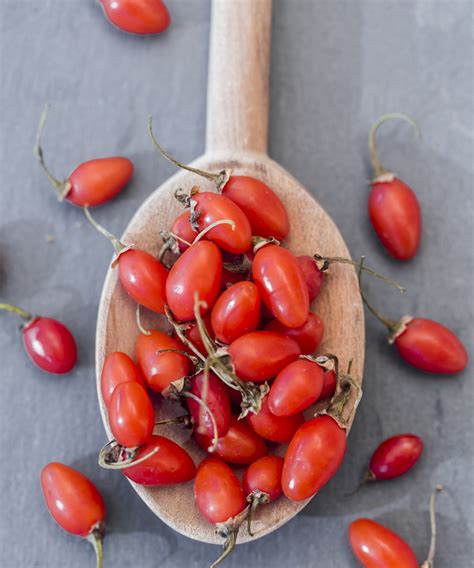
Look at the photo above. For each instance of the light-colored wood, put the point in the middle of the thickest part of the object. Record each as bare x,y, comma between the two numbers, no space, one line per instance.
237,95
312,231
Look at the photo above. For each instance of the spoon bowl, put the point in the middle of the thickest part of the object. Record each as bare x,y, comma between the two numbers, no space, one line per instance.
239,145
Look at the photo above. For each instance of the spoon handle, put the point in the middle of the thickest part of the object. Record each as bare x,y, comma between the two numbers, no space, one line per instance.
239,56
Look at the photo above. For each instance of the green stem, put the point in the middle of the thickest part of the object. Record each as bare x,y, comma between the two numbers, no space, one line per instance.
219,179
374,155
95,538
16,310
210,227
229,546
62,187
328,260
119,247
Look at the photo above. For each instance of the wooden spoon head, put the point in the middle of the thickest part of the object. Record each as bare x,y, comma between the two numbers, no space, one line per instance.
339,305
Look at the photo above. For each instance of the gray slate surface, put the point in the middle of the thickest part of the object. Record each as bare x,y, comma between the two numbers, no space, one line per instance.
336,66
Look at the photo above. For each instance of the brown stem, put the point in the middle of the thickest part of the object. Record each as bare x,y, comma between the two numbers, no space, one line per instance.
185,420
229,546
390,324
374,155
328,260
193,359
206,409
345,387
62,187
260,242
219,179
255,499
95,537
119,247
429,562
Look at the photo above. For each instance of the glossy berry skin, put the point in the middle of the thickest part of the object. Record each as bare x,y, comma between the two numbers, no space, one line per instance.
265,211
395,456
143,278
197,270
279,429
261,355
50,345
313,276
281,284
217,401
217,491
141,17
329,385
236,312
72,499
160,369
264,475
131,415
395,215
214,207
296,387
308,336
171,464
118,368
313,457
376,546
431,347
240,446
97,181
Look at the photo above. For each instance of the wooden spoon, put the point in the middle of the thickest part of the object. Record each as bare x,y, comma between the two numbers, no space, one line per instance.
237,120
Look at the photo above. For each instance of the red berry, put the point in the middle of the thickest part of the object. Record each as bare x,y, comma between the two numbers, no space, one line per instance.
308,336
265,211
281,284
261,355
264,475
241,445
197,271
296,387
137,16
50,345
394,210
431,347
314,455
395,456
236,312
279,429
131,415
171,464
118,368
160,369
376,546
313,276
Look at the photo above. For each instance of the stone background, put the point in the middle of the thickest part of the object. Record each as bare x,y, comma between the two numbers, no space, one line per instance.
336,66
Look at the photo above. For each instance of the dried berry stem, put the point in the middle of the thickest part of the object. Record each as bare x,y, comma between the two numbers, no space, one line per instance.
429,562
328,260
211,226
390,324
374,155
62,187
111,456
229,546
255,499
219,179
141,329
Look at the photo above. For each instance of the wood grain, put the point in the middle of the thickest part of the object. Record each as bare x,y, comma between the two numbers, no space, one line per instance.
231,140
